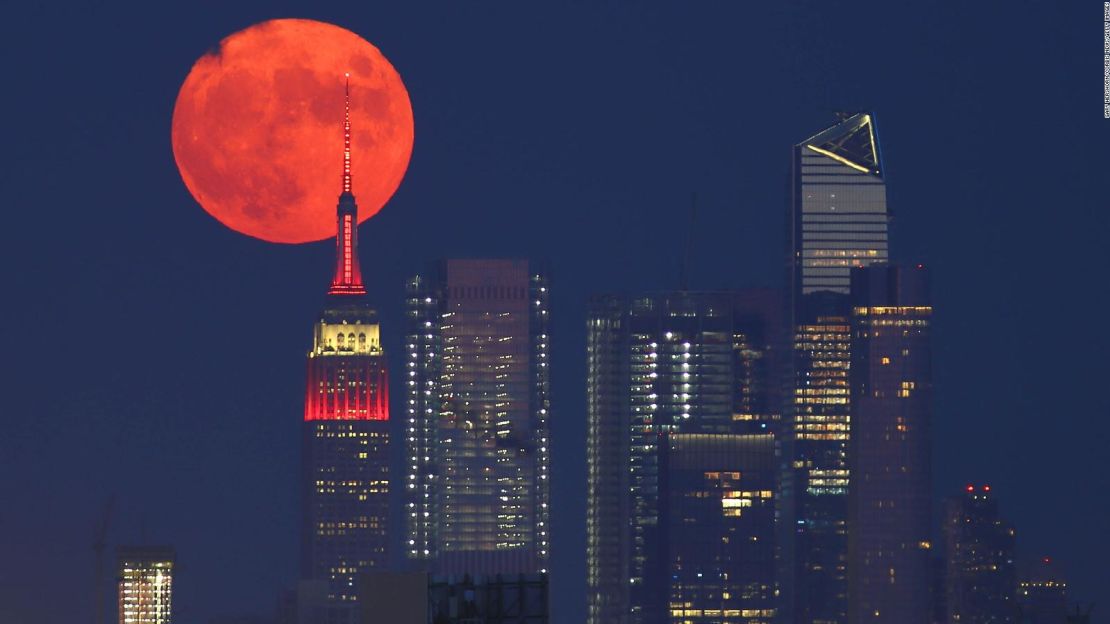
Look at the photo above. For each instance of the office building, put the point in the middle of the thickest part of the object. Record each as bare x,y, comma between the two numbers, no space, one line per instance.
839,221
839,215
478,454
657,365
889,521
345,451
717,528
145,584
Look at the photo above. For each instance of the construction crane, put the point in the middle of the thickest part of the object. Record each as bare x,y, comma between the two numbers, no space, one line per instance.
98,548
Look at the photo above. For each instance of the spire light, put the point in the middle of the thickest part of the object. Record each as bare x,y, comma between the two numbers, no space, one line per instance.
347,134
348,276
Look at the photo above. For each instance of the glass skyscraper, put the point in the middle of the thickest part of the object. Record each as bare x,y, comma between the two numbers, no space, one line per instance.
839,213
889,543
477,374
839,221
661,365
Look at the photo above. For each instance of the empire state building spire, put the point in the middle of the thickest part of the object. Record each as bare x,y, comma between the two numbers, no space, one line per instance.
347,135
348,276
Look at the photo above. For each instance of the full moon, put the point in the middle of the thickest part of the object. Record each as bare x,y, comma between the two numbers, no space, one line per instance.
258,129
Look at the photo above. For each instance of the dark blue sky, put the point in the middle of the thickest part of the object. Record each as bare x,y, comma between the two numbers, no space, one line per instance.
152,353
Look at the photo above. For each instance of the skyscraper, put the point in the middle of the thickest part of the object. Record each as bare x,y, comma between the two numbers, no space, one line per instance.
980,577
145,584
889,496
477,379
838,221
717,528
345,450
817,493
839,215
658,365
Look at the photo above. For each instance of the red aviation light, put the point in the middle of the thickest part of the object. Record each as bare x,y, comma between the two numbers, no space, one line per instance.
970,488
986,488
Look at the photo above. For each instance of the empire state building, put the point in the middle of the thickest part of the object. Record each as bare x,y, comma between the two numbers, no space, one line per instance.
345,451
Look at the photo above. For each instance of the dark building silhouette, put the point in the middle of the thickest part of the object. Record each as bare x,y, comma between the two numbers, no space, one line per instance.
477,378
675,363
309,603
939,602
345,451
1042,594
717,528
1081,615
889,520
243,619
980,575
839,221
421,598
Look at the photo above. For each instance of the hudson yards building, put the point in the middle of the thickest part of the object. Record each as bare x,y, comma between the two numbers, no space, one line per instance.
683,411
839,221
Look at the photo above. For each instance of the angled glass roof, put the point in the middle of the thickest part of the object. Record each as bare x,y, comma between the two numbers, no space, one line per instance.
851,141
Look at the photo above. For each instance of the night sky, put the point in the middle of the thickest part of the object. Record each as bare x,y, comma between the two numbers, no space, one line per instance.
152,353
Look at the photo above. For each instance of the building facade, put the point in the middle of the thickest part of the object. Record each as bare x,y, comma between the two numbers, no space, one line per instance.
980,574
839,216
717,528
659,365
839,221
422,598
477,379
889,536
345,442
816,491
145,584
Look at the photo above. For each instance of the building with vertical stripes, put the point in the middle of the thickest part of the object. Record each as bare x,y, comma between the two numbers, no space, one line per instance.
345,441
477,389
839,221
679,387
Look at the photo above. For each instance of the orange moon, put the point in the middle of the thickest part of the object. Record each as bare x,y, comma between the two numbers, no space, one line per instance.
258,129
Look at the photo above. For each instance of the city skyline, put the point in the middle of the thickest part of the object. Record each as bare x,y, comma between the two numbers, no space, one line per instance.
223,437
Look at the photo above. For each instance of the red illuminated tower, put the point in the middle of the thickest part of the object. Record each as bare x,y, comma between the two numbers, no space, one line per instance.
348,276
345,449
